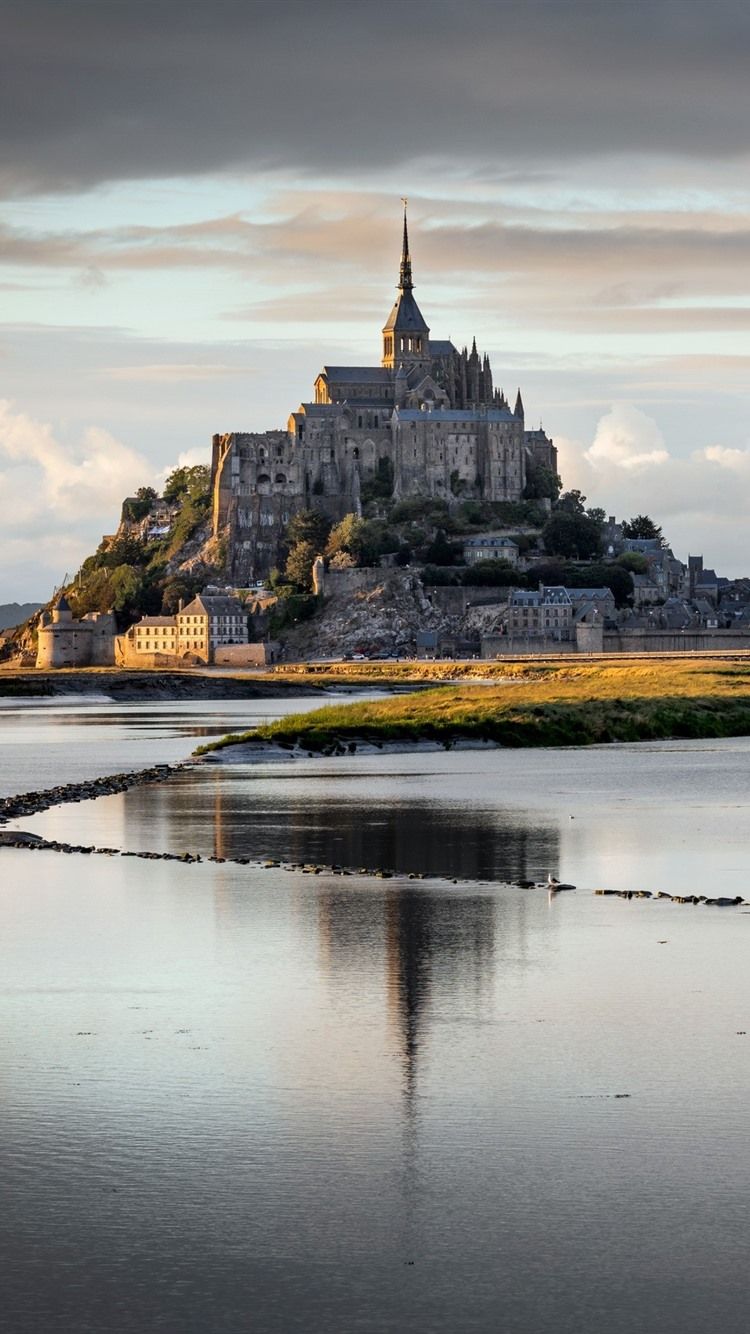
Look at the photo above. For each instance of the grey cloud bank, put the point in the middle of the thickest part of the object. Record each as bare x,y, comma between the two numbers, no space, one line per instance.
578,182
96,92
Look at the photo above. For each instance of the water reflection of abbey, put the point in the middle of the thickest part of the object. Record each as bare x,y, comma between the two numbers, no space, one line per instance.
427,946
337,826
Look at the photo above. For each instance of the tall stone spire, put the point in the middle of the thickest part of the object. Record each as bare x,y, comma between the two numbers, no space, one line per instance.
405,283
406,336
518,410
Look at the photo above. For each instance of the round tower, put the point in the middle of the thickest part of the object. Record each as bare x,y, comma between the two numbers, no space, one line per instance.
61,612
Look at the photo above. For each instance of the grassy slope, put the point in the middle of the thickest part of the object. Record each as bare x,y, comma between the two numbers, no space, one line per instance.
542,706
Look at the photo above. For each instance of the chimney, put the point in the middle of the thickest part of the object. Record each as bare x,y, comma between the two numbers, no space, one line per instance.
180,604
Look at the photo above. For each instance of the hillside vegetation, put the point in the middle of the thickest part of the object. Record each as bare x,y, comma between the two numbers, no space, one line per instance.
550,705
159,554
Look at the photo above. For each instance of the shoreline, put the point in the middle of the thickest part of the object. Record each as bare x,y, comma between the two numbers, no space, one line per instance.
562,707
261,751
125,686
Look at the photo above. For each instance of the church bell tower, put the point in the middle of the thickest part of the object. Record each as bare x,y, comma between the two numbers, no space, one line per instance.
406,337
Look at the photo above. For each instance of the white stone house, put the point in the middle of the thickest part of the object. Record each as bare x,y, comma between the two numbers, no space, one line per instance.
209,622
155,634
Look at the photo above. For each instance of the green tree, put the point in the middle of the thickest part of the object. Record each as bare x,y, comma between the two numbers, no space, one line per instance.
643,527
343,535
299,562
541,483
174,591
194,482
364,539
634,561
309,526
572,502
380,485
492,574
138,506
94,595
125,550
571,534
126,584
441,551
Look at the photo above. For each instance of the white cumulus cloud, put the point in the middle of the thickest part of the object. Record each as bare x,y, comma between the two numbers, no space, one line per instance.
700,500
58,498
626,438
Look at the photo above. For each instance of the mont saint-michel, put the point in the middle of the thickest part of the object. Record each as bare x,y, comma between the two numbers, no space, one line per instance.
428,420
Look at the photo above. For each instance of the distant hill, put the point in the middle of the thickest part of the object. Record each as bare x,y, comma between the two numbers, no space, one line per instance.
14,613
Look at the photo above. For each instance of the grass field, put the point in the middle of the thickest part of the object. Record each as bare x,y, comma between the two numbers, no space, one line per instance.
539,704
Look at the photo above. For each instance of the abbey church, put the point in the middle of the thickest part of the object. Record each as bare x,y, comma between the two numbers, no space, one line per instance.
427,421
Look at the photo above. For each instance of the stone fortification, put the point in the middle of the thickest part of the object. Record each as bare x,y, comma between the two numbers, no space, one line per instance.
426,421
66,642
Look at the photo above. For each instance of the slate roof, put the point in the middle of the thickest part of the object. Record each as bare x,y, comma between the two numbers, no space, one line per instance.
157,620
213,606
357,375
488,541
550,594
406,317
590,594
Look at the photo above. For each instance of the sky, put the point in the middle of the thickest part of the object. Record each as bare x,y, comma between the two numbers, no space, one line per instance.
200,206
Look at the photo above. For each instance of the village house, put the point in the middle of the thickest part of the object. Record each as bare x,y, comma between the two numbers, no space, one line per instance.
155,634
546,612
208,622
488,546
591,604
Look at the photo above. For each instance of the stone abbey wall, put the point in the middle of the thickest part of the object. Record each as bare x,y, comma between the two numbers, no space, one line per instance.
259,480
428,417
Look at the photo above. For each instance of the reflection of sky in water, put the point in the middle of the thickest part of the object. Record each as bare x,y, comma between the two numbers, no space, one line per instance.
51,741
669,816
233,1098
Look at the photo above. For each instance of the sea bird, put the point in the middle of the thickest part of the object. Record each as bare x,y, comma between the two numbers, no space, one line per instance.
555,885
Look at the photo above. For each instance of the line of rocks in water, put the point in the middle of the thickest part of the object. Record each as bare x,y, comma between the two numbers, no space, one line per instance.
32,803
694,899
35,843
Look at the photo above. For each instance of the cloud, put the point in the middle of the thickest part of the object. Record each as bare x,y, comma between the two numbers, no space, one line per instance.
627,439
700,500
58,499
175,373
331,256
335,86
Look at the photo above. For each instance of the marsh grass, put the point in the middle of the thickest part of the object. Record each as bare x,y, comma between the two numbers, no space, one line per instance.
564,705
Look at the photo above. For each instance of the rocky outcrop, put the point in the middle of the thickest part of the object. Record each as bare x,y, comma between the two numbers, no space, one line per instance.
377,611
365,611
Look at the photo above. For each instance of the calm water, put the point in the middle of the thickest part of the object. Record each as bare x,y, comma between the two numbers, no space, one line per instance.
235,1099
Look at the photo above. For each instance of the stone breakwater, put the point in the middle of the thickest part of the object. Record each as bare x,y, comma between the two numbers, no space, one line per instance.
34,843
31,803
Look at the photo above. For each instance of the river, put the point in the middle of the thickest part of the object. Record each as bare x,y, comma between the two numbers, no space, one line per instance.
236,1098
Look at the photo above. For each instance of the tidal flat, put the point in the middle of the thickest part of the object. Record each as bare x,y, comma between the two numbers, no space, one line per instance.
238,1096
